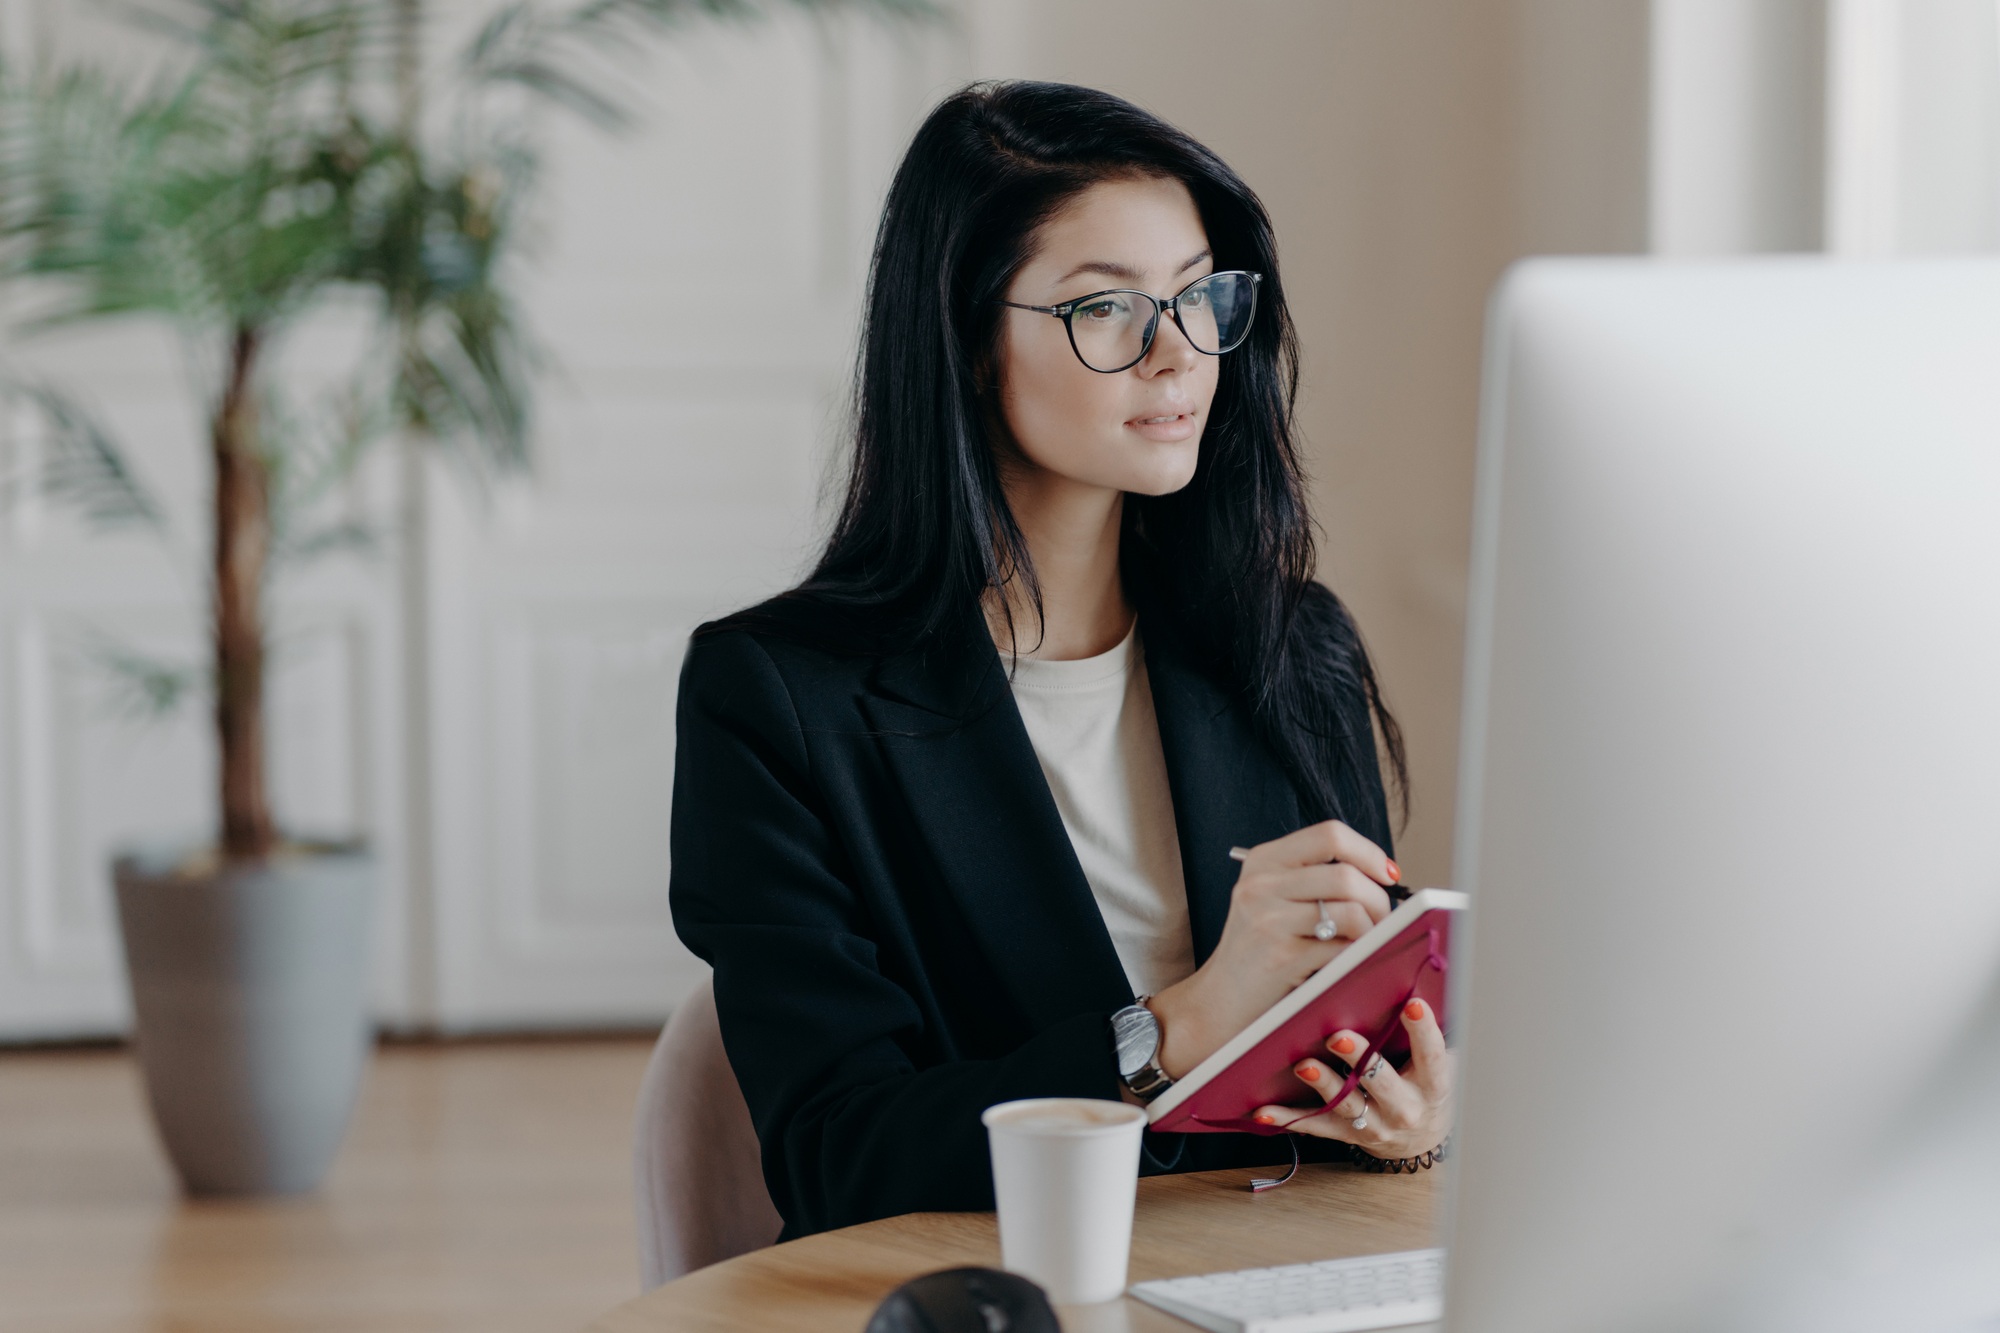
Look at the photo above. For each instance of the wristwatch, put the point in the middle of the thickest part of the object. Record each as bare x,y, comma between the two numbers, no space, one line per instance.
1136,1034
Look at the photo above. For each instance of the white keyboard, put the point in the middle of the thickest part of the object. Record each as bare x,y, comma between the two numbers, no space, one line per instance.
1333,1296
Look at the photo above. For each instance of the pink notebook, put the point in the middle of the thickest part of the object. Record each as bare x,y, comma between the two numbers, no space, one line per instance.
1363,990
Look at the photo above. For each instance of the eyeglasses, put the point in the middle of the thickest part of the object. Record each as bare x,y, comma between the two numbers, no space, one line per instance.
1112,331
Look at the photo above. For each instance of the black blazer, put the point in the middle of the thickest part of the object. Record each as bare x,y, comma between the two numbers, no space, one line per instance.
865,849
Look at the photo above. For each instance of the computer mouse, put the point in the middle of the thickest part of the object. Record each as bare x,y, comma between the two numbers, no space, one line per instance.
966,1300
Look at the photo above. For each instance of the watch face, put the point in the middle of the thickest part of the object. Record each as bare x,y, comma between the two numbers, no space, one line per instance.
1137,1035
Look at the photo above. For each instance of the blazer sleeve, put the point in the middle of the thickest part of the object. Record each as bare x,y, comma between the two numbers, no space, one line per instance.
820,1039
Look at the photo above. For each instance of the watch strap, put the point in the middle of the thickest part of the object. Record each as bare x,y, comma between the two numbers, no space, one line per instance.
1149,1082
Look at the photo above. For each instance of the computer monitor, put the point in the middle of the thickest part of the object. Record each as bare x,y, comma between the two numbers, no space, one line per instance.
1730,803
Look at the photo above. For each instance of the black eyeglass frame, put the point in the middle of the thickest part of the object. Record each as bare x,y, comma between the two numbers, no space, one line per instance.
1170,307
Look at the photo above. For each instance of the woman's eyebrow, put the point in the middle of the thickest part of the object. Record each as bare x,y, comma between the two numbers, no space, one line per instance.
1124,272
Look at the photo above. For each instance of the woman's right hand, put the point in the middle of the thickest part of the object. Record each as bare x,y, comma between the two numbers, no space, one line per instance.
1267,945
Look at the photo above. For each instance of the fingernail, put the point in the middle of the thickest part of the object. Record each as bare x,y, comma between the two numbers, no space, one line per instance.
1310,1073
1264,1119
1239,853
1344,1046
1395,873
1414,1010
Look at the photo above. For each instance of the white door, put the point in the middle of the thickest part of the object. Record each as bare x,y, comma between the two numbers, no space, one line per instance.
700,290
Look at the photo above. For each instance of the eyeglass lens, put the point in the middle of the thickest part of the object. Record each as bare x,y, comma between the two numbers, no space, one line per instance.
1112,331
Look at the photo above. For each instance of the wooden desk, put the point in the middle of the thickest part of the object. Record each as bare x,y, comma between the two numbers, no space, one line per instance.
1185,1224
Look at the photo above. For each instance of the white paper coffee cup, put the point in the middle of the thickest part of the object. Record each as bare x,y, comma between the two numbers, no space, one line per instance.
1065,1174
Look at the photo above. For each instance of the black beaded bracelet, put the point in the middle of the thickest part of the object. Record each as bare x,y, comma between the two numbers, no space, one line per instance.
1390,1166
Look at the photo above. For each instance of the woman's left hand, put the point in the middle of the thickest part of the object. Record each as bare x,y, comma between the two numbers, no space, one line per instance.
1389,1114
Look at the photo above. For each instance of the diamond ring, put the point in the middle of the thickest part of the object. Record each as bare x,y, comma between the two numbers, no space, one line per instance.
1325,930
1361,1121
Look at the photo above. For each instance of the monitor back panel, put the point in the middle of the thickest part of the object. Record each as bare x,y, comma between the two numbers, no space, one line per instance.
1730,786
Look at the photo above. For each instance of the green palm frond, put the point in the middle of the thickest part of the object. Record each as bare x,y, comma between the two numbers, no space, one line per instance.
270,48
347,536
309,456
141,686
81,465
465,375
530,47
133,681
311,453
85,173
437,252
227,198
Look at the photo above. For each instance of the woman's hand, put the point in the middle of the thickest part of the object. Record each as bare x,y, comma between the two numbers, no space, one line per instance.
1267,945
1389,1114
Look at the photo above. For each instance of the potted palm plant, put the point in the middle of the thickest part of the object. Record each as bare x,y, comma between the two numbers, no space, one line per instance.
295,154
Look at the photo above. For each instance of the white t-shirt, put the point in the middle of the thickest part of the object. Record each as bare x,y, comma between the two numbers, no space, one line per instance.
1094,730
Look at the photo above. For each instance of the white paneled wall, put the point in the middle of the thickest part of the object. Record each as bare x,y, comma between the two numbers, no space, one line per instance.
1946,127
1860,127
490,703
1913,126
1738,103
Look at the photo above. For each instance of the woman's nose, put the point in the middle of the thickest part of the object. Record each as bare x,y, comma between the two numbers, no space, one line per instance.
1171,350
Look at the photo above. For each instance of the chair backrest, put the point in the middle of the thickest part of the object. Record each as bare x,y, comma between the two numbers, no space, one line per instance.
696,1170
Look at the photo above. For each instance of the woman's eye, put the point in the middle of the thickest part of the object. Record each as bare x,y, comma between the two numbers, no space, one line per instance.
1100,311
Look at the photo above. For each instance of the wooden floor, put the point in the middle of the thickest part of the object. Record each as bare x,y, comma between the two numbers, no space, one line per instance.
483,1186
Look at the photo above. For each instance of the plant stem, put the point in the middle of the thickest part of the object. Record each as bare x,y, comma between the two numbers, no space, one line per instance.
242,545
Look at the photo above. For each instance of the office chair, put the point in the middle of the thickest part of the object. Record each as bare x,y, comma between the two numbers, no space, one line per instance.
696,1173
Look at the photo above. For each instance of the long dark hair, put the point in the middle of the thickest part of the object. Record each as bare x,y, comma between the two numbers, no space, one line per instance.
925,530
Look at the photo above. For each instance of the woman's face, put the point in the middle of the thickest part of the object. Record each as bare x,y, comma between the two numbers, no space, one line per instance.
1139,429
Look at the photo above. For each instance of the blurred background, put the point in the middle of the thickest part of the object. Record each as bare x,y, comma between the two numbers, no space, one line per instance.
488,697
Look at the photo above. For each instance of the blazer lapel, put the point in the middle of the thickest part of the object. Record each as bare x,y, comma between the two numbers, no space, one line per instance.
1228,791
951,734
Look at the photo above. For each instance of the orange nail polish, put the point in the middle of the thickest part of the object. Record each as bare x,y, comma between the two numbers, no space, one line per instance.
1310,1073
1414,1010
1344,1046
1395,873
1266,1119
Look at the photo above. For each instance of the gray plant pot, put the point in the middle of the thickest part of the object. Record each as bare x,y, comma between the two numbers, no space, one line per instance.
249,990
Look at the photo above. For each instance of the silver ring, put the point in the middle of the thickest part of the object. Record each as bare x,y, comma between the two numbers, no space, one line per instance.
1361,1121
1325,930
1374,1068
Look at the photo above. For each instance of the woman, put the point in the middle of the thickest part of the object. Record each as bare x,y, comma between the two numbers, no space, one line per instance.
969,793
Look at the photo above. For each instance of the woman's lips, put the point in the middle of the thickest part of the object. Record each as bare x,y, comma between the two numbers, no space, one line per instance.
1165,427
